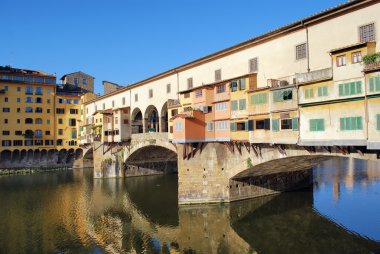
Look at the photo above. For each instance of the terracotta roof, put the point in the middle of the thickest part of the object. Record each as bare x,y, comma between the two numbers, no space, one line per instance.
349,47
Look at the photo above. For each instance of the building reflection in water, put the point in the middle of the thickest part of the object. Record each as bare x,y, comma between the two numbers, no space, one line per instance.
72,212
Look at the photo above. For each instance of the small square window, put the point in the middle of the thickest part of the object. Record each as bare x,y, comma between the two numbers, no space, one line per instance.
367,33
301,51
341,60
356,57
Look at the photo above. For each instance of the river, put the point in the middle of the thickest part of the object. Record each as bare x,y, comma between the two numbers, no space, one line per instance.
70,212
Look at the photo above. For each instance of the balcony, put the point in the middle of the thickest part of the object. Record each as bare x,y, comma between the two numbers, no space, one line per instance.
172,103
282,82
312,76
371,62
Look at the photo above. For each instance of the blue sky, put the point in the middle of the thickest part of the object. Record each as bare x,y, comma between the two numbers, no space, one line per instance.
125,41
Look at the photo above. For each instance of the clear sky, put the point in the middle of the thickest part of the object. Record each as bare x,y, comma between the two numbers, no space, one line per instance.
125,41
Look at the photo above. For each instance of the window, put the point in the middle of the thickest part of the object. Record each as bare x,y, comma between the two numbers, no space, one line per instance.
234,105
189,83
73,134
178,126
60,101
29,100
68,101
5,88
28,79
38,134
18,133
38,91
356,57
123,101
60,121
18,89
286,124
18,110
150,93
257,99
48,91
73,111
5,99
17,142
374,84
341,60
39,80
38,100
113,103
168,88
60,110
28,142
186,95
322,91
218,75
6,142
378,122
367,33
38,121
242,126
198,93
104,106
72,122
18,121
28,121
209,126
6,110
253,65
301,51
47,132
284,95
76,101
242,84
136,97
309,93
48,111
18,99
350,88
221,125
84,81
5,133
220,88
234,85
48,101
317,124
48,122
49,142
59,142
221,106
60,131
29,90
351,123
38,110
76,81
242,104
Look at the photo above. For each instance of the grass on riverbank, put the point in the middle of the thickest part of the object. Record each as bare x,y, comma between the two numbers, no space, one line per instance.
28,171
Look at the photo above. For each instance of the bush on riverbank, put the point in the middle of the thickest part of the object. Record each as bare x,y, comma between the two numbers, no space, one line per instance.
28,171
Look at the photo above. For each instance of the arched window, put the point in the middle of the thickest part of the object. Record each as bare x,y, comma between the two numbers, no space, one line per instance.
28,121
38,121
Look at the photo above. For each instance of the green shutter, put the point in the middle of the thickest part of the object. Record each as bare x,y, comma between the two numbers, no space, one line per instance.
234,105
342,124
359,123
378,122
242,104
246,125
253,99
341,91
377,83
358,87
372,84
352,88
321,125
295,123
251,125
275,125
232,126
312,125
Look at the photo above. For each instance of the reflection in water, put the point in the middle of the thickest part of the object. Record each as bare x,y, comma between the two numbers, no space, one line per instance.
70,212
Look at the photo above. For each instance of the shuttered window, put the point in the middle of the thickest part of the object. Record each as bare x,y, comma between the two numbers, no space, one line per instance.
234,105
374,84
253,65
301,51
242,84
322,91
250,125
257,99
232,126
209,126
309,93
275,125
317,124
242,104
351,88
283,95
378,122
295,123
351,123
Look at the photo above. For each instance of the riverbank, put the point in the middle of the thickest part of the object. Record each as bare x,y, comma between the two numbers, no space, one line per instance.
29,171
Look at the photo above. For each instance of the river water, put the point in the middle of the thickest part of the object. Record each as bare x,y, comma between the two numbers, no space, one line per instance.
70,212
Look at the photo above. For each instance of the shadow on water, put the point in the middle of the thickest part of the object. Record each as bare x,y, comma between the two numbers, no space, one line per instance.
289,224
